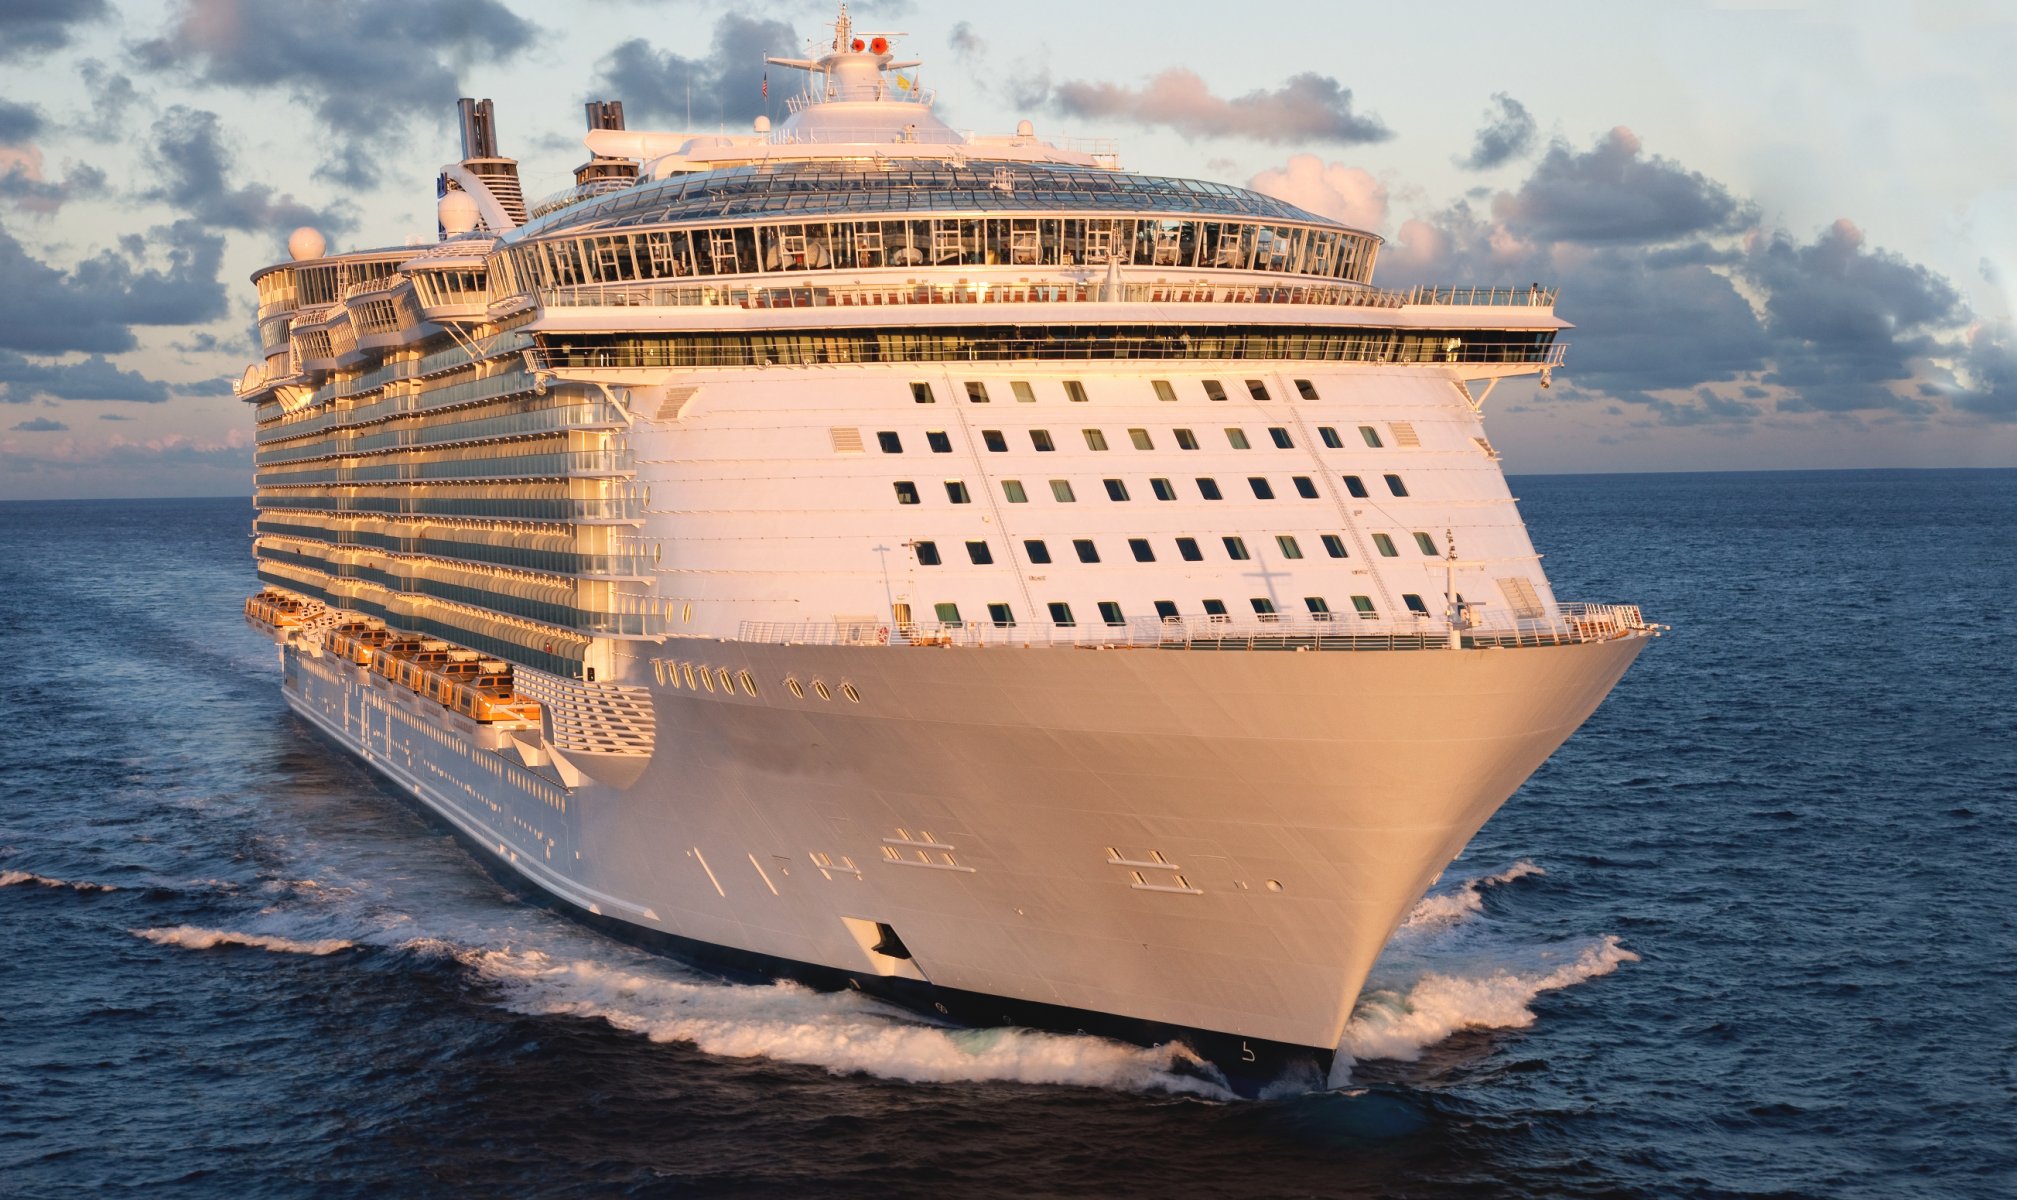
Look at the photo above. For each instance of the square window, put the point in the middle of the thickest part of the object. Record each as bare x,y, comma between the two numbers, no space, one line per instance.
1116,489
1371,435
1075,391
1001,615
1237,438
1040,439
1061,491
1188,548
1209,488
1263,490
1264,608
921,392
979,553
1306,487
1334,545
1395,485
1356,487
955,491
1363,605
1024,393
1166,609
906,492
1306,389
1330,437
939,441
1163,488
1140,437
1258,390
1287,543
1164,391
1213,391
1186,440
947,613
1095,440
1013,489
1415,604
927,553
1236,548
1110,612
1385,545
976,391
1035,550
1087,552
1281,438
993,440
1215,609
1142,552
1061,614
1427,543
890,442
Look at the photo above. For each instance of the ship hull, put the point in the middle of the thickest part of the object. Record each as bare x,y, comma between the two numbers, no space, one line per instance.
1201,847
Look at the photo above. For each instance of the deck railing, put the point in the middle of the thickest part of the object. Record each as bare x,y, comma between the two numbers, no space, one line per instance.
673,294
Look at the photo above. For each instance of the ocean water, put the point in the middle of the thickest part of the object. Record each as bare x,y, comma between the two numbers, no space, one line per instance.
1749,933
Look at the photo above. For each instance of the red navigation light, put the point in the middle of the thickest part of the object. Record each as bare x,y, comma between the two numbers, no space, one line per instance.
858,43
880,45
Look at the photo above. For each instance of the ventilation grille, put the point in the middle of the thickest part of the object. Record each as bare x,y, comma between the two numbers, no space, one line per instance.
1520,594
845,441
593,718
675,400
1404,433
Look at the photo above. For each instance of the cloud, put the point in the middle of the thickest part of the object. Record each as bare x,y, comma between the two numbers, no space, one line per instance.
114,417
33,28
964,42
1309,107
169,276
23,379
188,156
1613,193
1506,135
1334,190
725,83
112,97
1989,365
23,182
40,425
216,385
364,67
18,122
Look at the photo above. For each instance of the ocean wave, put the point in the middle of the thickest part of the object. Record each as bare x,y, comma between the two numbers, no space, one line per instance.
14,878
190,937
1450,907
843,1033
1399,1023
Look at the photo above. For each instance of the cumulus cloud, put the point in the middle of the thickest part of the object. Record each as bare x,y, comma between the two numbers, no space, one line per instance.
169,276
964,42
18,122
364,67
1615,193
23,379
40,425
1308,107
1988,360
195,170
112,97
1334,190
1507,134
32,28
725,83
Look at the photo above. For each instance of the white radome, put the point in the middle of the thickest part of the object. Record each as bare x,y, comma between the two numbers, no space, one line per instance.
458,213
306,243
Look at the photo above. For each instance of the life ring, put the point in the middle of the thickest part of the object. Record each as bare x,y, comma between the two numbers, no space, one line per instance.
882,635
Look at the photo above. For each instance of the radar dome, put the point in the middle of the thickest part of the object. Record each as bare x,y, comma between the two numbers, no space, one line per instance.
763,124
458,213
305,243
1025,129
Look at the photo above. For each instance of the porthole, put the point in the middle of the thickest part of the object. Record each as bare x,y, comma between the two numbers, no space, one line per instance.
848,690
727,684
748,682
820,689
796,688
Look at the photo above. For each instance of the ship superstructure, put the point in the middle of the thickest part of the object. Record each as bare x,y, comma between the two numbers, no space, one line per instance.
944,565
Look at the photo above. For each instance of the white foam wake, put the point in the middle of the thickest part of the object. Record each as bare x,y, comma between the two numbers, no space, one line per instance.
13,878
844,1033
190,937
1451,907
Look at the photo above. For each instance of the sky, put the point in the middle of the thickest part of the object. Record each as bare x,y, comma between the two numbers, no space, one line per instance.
1786,233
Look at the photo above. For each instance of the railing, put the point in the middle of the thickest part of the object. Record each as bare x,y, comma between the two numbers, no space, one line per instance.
923,344
1576,623
962,291
1536,295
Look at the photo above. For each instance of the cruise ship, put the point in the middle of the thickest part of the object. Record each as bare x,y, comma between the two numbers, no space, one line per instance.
944,565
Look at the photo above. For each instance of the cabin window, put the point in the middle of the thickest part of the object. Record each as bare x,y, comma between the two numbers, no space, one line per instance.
1385,545
1013,490
927,553
947,613
1236,548
994,441
1330,437
1095,440
1363,605
1061,491
889,441
1216,609
1209,488
1306,389
1116,489
1371,435
1140,437
955,491
976,392
1236,438
1035,550
1281,438
1166,609
1415,604
1186,440
906,492
939,441
1024,393
1427,543
1287,543
1263,490
1087,552
1110,612
1264,608
1040,439
1164,391
921,392
979,553
1213,390
1334,545
1356,487
1188,548
1163,489
1001,615
1141,550
1395,485
1319,610
1075,391
1061,614
1258,389
1306,487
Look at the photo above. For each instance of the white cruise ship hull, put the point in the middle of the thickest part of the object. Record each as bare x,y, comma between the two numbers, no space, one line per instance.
1204,846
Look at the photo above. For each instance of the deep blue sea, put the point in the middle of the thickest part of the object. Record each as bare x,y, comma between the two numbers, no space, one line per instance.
1750,933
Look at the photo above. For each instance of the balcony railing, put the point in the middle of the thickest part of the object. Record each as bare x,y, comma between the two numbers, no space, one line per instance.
1575,623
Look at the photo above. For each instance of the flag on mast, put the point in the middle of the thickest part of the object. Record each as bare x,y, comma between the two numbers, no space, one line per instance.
766,85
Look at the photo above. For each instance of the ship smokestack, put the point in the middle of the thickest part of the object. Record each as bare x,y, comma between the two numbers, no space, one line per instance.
604,114
494,173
